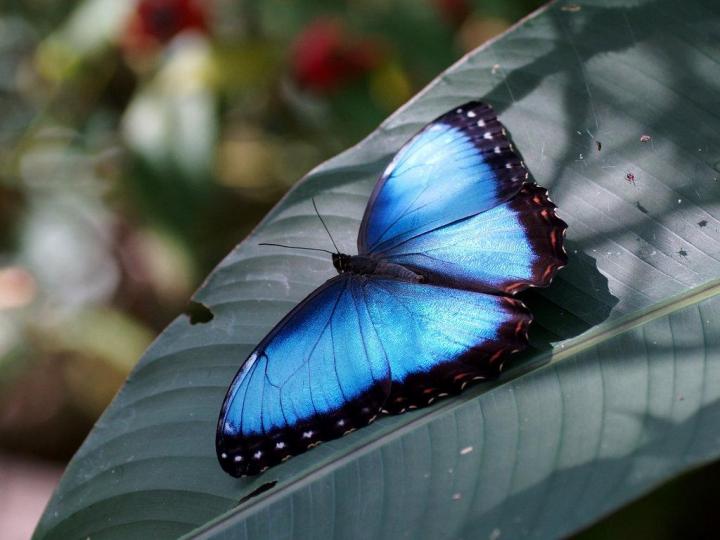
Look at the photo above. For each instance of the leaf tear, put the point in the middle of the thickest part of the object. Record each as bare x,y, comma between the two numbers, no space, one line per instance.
198,313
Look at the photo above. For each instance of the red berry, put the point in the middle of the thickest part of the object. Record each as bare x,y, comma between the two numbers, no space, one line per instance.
155,22
325,58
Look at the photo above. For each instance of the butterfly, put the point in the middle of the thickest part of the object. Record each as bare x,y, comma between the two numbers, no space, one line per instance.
452,231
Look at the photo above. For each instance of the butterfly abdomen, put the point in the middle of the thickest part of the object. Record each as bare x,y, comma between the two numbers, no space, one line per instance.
387,269
366,266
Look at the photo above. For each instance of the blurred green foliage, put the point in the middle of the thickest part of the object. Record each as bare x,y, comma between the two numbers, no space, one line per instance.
141,140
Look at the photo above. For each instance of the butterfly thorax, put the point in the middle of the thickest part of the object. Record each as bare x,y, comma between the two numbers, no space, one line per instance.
362,265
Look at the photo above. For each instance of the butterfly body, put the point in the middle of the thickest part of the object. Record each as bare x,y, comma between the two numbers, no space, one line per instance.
451,232
362,265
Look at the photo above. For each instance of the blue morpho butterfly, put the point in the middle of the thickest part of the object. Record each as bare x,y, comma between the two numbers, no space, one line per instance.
451,232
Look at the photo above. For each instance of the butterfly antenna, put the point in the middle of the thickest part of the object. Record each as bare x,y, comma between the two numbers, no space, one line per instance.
324,225
295,247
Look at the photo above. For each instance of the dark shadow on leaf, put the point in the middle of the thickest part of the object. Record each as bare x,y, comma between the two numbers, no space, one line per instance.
267,486
585,490
577,300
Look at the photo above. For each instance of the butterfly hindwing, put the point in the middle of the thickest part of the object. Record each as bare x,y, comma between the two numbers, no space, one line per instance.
459,165
437,339
321,372
506,248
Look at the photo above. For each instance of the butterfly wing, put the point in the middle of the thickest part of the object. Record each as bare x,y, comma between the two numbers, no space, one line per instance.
321,372
452,206
356,346
516,244
437,338
457,166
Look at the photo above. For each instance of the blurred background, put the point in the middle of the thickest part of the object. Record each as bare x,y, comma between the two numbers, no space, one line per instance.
139,142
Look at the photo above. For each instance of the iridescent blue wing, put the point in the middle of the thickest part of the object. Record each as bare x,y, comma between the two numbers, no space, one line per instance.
457,166
516,244
356,346
321,372
452,207
437,338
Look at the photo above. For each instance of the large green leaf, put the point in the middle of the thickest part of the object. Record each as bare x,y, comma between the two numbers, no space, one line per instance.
628,337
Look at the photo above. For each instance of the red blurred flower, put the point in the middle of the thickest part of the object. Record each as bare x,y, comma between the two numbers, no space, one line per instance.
454,12
155,22
326,57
